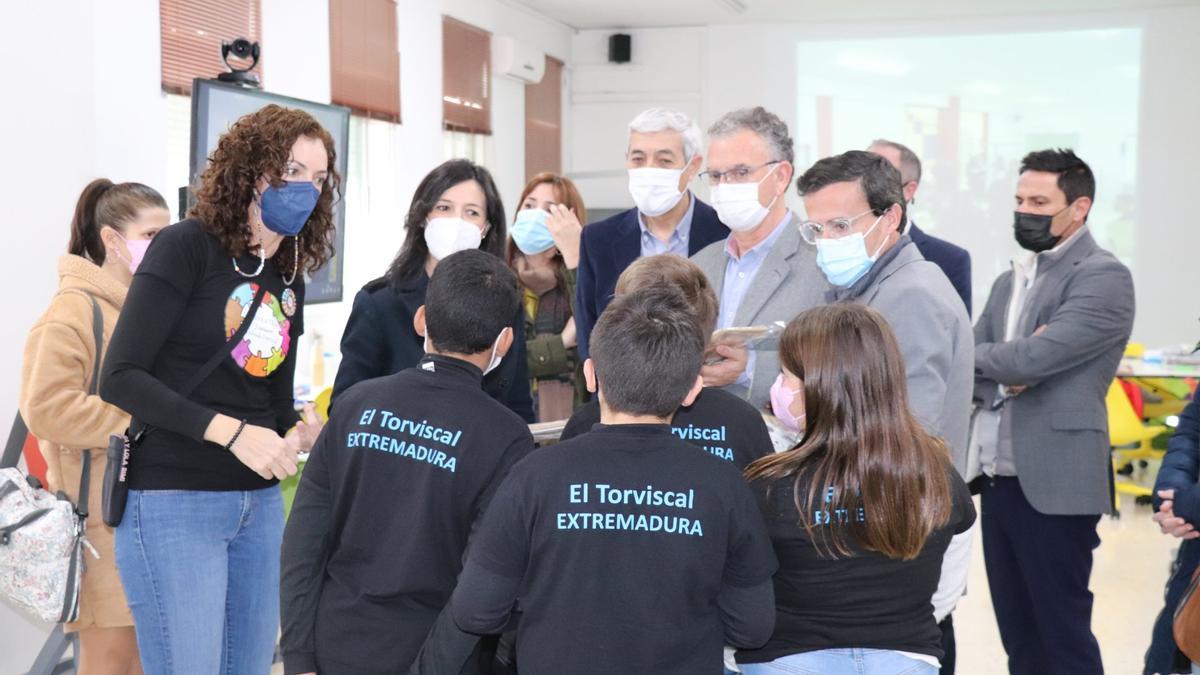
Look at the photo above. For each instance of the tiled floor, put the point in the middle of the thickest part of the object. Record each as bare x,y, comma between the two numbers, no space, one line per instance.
1130,570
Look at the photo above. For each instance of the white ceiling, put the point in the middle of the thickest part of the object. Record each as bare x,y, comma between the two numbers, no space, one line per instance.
584,14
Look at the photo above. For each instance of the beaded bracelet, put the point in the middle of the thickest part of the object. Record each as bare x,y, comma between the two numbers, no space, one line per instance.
229,445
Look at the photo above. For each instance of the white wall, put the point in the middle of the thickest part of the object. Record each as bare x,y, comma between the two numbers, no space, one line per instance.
708,71
667,69
86,101
50,147
1168,241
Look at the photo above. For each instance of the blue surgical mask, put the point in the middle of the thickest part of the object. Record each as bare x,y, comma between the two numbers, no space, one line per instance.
530,233
286,209
845,260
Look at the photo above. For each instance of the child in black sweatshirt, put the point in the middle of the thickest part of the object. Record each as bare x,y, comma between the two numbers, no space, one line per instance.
719,422
398,480
629,549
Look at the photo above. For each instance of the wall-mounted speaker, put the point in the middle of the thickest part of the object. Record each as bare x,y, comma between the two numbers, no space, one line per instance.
620,48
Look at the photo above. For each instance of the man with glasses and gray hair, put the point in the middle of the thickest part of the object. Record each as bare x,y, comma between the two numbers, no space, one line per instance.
662,157
763,272
954,260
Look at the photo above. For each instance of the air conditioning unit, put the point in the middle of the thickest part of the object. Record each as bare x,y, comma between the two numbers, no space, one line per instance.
517,60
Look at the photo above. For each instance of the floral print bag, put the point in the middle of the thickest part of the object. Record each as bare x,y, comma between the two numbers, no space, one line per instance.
42,535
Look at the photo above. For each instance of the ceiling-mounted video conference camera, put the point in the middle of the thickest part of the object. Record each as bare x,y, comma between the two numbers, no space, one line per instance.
243,49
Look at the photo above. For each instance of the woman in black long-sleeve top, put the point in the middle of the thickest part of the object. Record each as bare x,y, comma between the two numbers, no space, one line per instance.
198,544
455,207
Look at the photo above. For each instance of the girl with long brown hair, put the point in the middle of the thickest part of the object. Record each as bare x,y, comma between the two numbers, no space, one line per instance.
112,227
861,510
544,252
198,544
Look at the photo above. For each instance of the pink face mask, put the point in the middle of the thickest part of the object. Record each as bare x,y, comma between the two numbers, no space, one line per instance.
137,251
781,404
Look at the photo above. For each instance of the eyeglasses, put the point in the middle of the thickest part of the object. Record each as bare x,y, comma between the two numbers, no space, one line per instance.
837,228
738,174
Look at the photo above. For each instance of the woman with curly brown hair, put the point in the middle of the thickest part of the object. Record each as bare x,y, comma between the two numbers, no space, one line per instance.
214,425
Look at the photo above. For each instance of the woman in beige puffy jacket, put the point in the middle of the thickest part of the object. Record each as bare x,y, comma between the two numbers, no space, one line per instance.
112,228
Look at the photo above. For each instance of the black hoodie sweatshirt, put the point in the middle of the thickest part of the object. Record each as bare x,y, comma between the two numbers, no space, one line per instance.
388,499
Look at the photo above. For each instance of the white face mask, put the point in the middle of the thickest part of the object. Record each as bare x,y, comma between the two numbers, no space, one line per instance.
445,236
737,204
493,362
655,191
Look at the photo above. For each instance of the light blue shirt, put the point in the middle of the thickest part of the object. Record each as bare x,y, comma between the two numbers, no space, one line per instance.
739,276
678,243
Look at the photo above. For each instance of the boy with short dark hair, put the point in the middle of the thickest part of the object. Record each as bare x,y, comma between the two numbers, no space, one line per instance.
717,421
630,550
397,481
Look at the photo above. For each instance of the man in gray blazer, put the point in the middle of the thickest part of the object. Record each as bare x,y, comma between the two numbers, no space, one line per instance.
1046,349
856,211
762,272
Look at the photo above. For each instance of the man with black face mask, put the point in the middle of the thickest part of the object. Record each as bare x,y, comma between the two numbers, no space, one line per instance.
1046,349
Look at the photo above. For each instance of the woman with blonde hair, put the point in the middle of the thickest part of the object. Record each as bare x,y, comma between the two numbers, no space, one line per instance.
861,511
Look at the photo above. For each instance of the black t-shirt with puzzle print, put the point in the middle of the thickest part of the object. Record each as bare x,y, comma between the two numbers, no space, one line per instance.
185,301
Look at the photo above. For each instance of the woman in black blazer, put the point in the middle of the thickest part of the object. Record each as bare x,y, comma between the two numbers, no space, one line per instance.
455,207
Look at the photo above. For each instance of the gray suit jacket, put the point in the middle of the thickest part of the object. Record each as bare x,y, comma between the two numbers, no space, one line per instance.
934,334
787,283
1060,423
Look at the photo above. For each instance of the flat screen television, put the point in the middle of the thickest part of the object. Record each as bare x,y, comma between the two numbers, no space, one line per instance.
217,105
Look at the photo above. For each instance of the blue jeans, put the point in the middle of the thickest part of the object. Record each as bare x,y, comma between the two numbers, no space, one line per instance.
201,572
842,662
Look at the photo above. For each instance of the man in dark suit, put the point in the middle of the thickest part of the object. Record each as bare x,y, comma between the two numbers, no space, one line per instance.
1047,346
663,156
954,260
